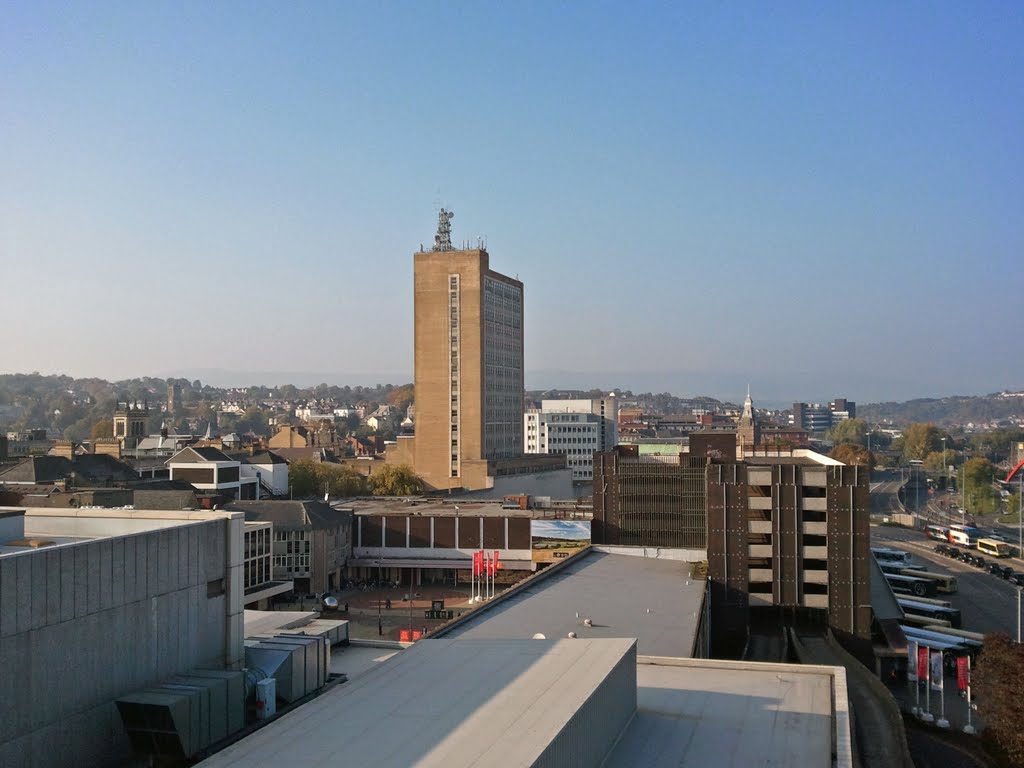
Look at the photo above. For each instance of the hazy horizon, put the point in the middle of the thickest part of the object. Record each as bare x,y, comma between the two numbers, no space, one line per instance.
766,394
817,201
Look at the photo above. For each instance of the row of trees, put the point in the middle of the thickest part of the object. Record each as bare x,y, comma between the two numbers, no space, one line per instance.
313,478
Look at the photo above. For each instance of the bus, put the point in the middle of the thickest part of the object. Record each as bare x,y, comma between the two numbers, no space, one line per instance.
938,532
924,622
929,601
994,548
939,612
975,636
886,555
964,535
912,585
943,582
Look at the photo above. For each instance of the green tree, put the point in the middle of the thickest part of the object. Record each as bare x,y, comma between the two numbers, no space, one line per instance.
313,478
342,481
856,455
921,439
395,480
853,431
977,478
997,681
303,477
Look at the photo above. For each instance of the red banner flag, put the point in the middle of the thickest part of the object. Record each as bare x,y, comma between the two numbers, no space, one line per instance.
478,562
494,563
963,673
922,662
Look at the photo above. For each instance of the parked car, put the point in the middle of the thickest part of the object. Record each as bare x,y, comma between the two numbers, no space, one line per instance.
1002,571
953,552
941,549
1016,579
980,562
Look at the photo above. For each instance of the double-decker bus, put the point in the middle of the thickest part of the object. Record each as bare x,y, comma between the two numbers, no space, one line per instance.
964,535
884,556
994,547
930,610
937,532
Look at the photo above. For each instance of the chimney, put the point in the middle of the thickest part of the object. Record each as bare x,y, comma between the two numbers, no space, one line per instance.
110,446
65,448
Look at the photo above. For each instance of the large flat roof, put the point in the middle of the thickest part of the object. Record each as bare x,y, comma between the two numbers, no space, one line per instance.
454,507
650,599
735,714
442,703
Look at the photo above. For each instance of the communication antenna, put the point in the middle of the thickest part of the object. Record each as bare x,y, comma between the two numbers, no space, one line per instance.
443,238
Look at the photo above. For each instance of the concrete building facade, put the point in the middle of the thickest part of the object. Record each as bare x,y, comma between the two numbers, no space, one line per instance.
782,529
576,429
468,367
95,604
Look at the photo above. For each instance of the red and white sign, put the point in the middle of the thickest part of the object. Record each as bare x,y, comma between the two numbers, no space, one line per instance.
963,673
922,662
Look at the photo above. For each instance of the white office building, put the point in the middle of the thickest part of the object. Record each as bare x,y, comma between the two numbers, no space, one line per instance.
573,428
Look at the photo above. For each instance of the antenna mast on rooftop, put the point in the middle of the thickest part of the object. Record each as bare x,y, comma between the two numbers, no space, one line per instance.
443,238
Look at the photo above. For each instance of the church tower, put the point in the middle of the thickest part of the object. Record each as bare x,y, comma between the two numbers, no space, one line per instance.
130,423
747,434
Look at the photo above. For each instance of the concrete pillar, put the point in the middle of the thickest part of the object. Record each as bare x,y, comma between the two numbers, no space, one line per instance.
234,559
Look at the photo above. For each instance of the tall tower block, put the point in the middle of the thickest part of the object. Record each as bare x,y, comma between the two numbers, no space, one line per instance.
468,364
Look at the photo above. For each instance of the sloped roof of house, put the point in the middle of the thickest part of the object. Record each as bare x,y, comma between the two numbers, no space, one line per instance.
266,457
195,455
87,468
295,514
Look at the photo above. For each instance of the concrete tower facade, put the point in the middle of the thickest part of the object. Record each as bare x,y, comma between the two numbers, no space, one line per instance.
468,365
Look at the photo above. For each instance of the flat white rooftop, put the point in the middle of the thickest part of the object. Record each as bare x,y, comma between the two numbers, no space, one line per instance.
446,703
652,600
736,714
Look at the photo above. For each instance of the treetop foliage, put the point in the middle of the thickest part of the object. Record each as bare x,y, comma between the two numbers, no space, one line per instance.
997,682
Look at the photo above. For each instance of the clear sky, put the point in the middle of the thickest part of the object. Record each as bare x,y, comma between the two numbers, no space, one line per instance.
817,200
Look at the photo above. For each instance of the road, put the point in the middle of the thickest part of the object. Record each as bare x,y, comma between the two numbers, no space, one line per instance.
987,603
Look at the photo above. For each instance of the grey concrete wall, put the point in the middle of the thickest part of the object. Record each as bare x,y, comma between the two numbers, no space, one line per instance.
83,624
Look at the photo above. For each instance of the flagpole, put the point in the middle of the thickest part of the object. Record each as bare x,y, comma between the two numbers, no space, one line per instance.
968,728
472,580
942,721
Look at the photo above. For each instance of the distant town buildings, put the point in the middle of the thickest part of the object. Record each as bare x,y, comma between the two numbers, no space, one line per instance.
817,418
576,429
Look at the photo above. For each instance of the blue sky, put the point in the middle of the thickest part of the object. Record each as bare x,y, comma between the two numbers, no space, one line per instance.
816,200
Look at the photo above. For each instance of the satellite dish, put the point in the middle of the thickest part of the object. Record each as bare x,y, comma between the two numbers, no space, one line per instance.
539,636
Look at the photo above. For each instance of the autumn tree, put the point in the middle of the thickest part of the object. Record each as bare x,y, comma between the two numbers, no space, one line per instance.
997,682
921,439
401,397
102,429
935,461
856,455
395,480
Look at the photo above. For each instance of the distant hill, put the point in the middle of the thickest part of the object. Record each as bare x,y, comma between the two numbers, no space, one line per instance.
955,411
